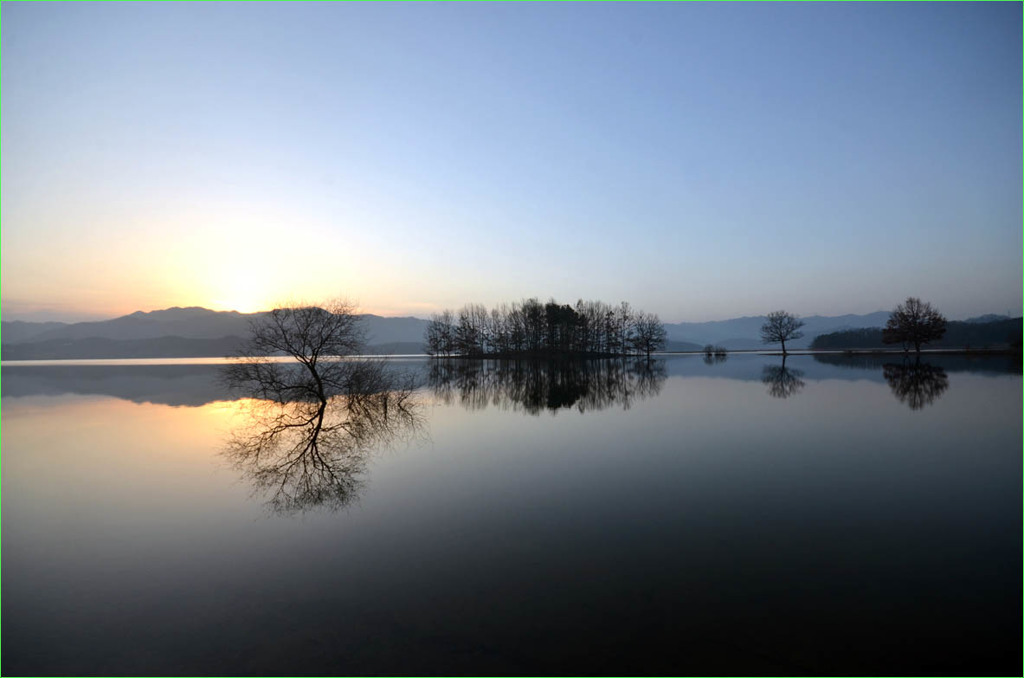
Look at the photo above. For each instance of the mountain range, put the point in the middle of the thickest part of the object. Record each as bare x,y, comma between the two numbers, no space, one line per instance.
174,332
196,332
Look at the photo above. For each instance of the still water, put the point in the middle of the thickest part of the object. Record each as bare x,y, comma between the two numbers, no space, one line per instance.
832,515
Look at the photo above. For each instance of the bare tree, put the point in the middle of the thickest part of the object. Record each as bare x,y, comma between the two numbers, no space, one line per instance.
317,338
441,334
780,326
914,322
648,333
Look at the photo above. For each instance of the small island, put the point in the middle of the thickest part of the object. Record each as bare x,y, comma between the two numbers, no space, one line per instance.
530,329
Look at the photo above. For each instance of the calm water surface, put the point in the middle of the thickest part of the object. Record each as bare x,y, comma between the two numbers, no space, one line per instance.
832,515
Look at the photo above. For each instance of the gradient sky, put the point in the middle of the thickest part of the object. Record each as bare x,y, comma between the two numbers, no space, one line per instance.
702,161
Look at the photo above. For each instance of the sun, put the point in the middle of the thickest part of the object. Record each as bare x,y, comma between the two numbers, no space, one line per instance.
240,292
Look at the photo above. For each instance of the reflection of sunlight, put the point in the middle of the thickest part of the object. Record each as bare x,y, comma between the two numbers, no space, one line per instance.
153,431
227,409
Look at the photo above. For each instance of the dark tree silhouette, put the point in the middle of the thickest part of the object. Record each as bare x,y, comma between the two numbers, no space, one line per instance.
316,337
648,333
441,334
912,323
551,330
915,383
780,326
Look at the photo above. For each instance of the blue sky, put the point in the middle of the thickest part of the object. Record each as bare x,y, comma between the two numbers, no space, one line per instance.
701,161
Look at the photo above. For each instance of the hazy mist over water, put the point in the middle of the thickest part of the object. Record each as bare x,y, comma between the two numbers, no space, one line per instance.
829,515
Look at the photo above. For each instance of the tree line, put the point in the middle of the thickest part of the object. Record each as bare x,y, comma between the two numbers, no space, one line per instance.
995,334
532,328
912,324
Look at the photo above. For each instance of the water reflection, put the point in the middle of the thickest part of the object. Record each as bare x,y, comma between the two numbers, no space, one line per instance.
518,544
915,383
310,432
918,383
971,363
308,455
782,382
535,386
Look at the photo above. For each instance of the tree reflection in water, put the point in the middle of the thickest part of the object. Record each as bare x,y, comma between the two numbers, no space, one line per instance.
534,386
915,383
782,382
312,452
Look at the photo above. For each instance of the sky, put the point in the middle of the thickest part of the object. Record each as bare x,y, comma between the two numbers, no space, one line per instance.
701,161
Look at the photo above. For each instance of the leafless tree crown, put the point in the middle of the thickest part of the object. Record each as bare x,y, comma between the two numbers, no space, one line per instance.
780,327
316,337
913,323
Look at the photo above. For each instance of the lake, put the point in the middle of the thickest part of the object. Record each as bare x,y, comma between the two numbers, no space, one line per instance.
831,515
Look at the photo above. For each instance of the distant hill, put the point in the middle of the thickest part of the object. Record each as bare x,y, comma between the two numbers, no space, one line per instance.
101,347
987,318
959,334
174,333
15,331
396,348
188,323
681,346
745,333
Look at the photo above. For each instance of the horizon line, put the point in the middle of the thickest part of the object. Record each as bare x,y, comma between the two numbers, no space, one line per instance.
98,318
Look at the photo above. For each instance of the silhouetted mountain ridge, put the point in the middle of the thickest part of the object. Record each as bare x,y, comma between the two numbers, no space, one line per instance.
189,323
16,331
987,318
996,334
93,348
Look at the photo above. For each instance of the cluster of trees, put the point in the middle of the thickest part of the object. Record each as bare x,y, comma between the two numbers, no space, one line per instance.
715,350
914,324
529,327
714,353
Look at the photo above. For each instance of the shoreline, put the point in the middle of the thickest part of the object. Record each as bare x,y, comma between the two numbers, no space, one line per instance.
215,360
